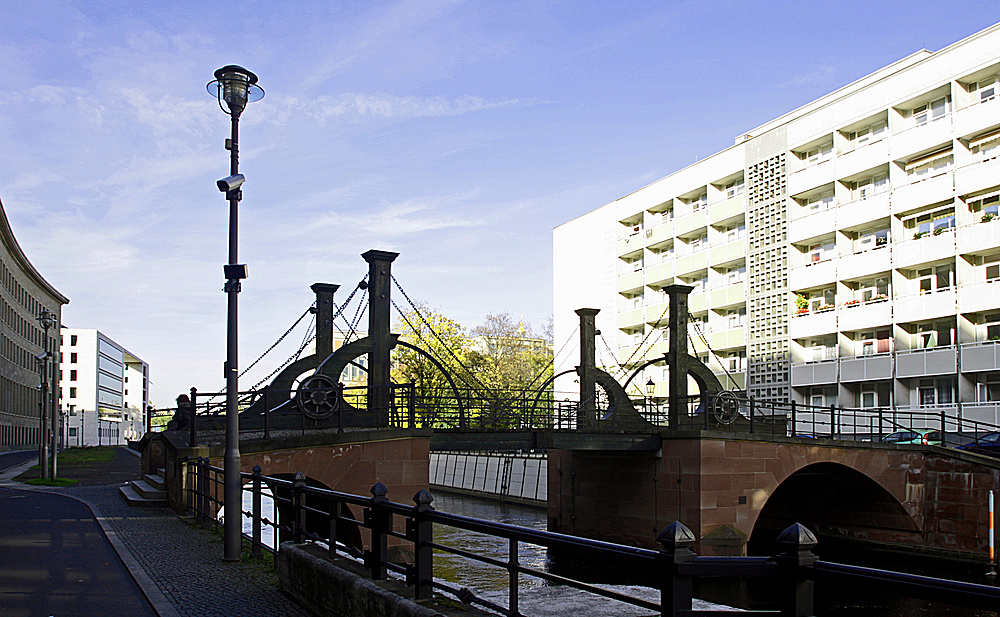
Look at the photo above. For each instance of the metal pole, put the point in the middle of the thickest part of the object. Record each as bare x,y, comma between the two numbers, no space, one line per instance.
992,571
231,481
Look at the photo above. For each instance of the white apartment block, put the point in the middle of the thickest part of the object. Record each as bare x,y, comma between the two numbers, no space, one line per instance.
845,253
104,390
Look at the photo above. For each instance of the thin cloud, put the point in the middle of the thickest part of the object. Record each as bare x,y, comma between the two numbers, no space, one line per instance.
822,76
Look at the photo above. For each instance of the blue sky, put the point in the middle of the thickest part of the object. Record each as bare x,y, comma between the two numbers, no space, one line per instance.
455,133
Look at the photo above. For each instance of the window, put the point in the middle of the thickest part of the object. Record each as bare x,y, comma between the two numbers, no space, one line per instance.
72,431
934,279
735,275
699,243
72,375
863,189
934,334
868,134
733,189
817,154
930,165
875,395
929,112
737,361
873,290
987,206
822,300
72,358
991,323
991,265
72,340
733,232
936,222
869,239
736,318
987,146
823,396
984,90
988,391
872,342
939,391
699,202
72,392
822,201
821,251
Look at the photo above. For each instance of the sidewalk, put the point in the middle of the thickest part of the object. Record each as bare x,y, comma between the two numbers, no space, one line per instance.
178,567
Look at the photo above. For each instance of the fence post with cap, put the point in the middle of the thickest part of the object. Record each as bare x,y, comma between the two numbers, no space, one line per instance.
676,542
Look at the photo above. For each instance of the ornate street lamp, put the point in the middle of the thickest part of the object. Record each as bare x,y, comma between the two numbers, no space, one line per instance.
650,388
235,86
46,408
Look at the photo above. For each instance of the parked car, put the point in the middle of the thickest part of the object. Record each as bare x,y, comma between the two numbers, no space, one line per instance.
918,437
988,444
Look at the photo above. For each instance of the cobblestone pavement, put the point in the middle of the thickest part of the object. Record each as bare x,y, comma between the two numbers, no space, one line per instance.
185,562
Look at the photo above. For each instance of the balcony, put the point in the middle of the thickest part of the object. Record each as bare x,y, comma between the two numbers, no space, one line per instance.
813,323
865,316
814,373
630,243
812,225
629,281
979,297
698,302
655,313
810,177
659,273
731,295
924,192
861,211
920,307
912,252
689,222
659,233
727,209
627,352
920,138
864,264
982,356
979,236
977,176
866,368
725,253
630,318
692,262
981,412
813,275
926,362
861,159
727,339
970,120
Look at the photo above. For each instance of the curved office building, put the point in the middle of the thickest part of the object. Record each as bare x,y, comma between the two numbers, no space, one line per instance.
24,294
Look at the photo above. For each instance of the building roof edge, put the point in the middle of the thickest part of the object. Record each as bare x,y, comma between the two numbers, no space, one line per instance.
10,242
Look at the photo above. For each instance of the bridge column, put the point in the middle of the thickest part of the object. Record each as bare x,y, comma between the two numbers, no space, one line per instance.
324,317
379,284
586,412
677,352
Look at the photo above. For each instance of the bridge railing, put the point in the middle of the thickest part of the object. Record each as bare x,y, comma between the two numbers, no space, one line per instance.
791,419
314,514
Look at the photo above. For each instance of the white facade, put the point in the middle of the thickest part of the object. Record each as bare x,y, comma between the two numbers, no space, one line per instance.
104,390
847,252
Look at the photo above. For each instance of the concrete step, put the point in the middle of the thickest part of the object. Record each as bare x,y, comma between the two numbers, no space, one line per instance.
134,499
148,491
155,480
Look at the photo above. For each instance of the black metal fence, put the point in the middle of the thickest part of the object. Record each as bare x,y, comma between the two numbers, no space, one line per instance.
321,515
500,410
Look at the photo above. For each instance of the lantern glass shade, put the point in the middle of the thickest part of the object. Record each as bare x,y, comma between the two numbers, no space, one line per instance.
650,387
236,86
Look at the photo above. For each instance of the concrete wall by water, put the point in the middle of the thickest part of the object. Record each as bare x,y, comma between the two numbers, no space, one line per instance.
518,478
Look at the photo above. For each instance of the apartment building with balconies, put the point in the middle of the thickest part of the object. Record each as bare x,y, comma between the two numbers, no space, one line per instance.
846,253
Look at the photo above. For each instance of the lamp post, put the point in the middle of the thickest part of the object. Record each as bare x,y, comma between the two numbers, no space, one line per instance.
46,408
650,390
235,86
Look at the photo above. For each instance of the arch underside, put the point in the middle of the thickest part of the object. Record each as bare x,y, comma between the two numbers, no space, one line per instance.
837,503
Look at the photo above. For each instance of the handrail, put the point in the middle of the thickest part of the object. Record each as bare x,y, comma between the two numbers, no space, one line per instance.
675,561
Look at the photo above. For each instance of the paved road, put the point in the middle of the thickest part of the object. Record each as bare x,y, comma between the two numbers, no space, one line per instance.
13,459
55,560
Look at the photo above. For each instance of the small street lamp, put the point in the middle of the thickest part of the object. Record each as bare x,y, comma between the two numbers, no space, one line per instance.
235,86
650,389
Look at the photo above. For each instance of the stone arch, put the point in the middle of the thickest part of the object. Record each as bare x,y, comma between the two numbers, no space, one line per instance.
836,502
348,533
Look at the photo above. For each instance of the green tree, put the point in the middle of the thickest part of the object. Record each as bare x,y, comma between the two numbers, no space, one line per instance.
442,338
